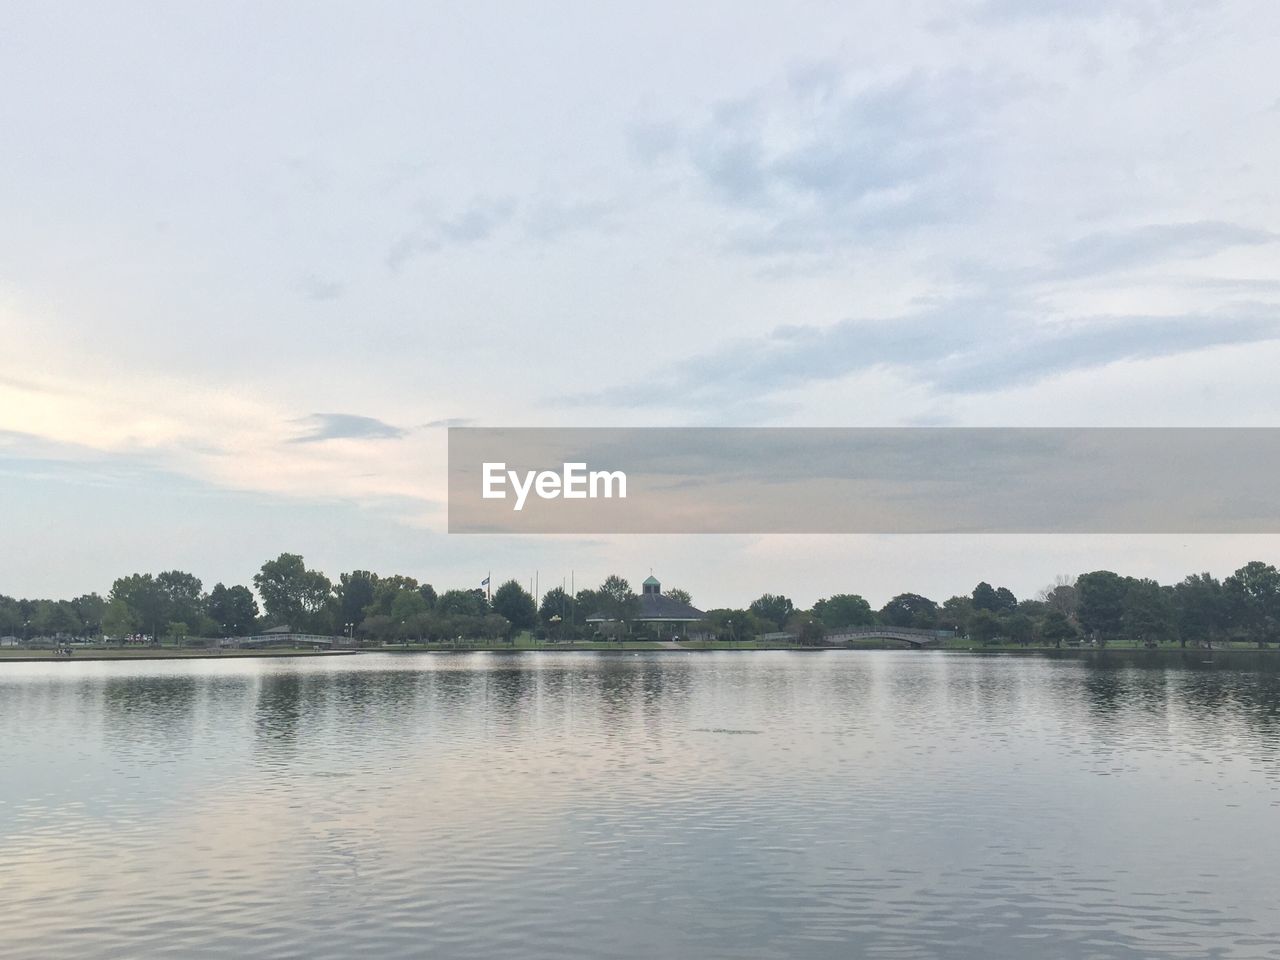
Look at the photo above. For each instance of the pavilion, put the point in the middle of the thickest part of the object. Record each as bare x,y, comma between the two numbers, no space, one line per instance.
665,614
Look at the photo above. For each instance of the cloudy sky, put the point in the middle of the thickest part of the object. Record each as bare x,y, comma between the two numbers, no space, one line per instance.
254,259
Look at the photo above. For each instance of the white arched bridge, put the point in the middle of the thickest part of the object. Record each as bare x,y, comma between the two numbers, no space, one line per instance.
912,636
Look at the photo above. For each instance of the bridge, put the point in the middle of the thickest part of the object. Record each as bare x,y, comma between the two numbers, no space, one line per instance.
915,637
282,639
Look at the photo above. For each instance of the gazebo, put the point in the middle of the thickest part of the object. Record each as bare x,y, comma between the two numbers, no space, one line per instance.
664,614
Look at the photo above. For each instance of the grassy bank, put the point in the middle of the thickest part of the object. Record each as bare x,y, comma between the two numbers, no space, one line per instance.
520,644
20,655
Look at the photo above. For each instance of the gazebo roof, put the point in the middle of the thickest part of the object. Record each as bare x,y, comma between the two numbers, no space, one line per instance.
654,607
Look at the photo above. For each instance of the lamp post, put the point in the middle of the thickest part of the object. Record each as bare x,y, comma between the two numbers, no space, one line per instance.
350,630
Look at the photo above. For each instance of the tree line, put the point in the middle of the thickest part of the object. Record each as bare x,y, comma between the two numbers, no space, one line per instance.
1102,606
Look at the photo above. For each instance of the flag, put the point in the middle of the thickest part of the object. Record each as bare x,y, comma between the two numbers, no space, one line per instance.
484,582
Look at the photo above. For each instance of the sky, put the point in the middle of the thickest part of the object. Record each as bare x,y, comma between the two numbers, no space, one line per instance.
255,259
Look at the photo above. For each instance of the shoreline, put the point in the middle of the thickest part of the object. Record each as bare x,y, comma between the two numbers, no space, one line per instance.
124,654
99,656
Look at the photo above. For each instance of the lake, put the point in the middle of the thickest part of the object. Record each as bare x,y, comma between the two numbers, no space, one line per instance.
655,805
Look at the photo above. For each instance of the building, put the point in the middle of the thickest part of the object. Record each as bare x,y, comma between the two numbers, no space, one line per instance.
665,615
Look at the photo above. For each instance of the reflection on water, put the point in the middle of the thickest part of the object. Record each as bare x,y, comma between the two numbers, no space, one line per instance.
661,805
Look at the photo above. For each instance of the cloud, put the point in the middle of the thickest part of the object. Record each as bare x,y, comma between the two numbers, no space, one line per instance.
1111,251
321,289
961,347
479,221
345,426
448,422
825,162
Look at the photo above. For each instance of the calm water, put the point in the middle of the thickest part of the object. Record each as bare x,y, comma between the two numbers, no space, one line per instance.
665,805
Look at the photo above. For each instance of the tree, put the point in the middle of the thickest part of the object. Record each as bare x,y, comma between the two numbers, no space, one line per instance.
1100,598
407,605
1253,598
183,597
727,624
556,603
516,604
1061,595
1006,602
984,597
1020,628
987,597
379,626
355,592
844,610
494,626
89,610
469,603
1200,606
806,628
1057,627
984,626
910,610
617,600
675,593
177,630
292,594
118,620
1147,613
11,618
955,614
147,601
56,618
773,607
233,609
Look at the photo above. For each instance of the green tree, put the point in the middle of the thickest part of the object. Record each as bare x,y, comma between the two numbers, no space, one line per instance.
617,601
233,610
683,596
470,603
147,601
11,618
1253,599
844,610
1200,605
409,611
516,604
387,589
987,597
984,626
1057,627
1100,602
955,614
1147,613
910,610
773,607
1020,627
355,592
89,610
56,618
556,603
494,626
119,620
293,595
984,597
183,597
806,628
